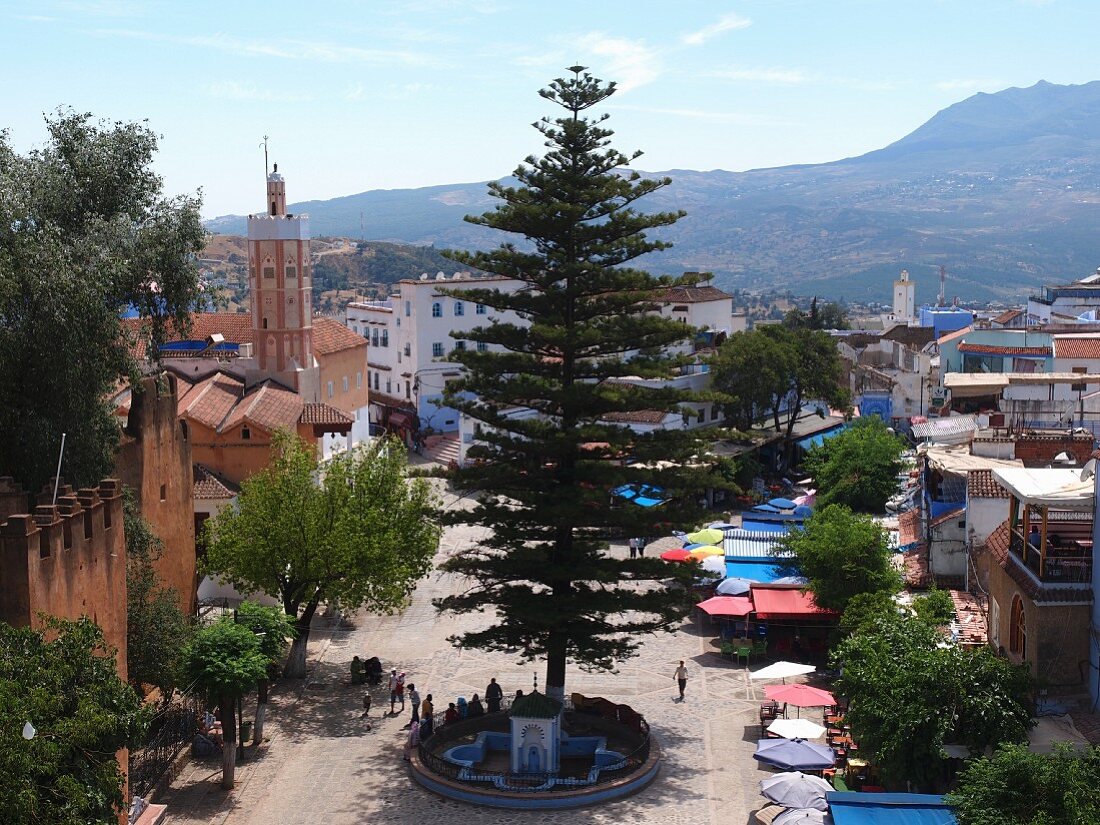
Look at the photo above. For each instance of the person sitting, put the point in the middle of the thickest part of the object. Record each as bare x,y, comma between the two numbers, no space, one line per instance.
358,671
476,708
451,715
374,670
1034,539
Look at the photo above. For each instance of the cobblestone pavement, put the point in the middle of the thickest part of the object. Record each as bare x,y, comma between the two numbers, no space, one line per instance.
322,764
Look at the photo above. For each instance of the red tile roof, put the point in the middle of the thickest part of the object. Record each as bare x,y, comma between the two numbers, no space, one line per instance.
981,484
269,405
996,349
1008,316
331,336
948,516
969,621
692,295
917,573
317,413
1083,347
636,416
209,485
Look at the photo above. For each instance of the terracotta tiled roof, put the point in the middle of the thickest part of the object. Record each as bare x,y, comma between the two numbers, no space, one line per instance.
996,349
235,326
269,405
209,485
917,573
1008,316
692,295
331,336
910,336
909,527
948,516
211,400
636,417
384,400
969,624
951,336
981,484
1082,347
317,413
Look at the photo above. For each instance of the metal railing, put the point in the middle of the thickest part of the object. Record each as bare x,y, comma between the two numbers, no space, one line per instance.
172,731
1062,565
430,754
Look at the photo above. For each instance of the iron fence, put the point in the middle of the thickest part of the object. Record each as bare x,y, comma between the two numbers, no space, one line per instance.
172,731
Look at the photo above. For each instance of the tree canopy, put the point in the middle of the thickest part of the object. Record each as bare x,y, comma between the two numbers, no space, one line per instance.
829,315
273,629
554,398
85,231
843,554
63,680
1016,786
858,467
910,693
354,532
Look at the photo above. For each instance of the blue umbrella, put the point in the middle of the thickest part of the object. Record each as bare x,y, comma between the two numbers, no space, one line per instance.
765,508
803,511
794,754
782,503
734,586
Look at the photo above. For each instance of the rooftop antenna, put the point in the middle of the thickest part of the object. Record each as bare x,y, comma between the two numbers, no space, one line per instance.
943,282
264,144
57,475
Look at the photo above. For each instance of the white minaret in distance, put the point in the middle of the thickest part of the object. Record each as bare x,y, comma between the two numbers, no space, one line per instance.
905,298
281,294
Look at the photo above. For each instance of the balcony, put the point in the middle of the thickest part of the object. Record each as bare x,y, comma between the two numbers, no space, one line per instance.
1068,556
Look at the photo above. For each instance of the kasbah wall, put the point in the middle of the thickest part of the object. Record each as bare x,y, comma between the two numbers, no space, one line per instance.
154,460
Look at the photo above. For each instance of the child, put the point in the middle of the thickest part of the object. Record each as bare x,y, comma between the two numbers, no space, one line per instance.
366,708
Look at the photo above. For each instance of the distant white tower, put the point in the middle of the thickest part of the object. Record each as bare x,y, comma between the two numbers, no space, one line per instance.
905,298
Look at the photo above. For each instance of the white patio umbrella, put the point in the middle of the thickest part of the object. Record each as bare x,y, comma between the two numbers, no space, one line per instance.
715,565
803,816
781,670
735,586
796,729
794,789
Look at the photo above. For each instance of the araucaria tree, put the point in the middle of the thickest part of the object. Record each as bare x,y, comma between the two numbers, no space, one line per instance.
354,531
550,396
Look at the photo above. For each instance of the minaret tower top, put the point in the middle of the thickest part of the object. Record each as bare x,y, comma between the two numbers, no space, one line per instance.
276,193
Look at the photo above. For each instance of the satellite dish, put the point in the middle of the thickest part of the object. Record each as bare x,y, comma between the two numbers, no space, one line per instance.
1089,470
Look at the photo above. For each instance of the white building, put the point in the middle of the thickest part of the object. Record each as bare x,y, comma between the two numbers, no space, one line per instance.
1066,302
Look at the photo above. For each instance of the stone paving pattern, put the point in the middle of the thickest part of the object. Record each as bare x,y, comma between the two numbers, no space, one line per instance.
321,764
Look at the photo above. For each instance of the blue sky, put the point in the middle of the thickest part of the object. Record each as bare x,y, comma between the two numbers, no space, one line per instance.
405,93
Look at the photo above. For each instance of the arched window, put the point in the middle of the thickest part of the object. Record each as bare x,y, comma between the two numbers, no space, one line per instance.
437,310
460,309
1017,632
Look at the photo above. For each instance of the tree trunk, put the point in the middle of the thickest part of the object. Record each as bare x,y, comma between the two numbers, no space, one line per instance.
296,661
261,711
555,667
228,716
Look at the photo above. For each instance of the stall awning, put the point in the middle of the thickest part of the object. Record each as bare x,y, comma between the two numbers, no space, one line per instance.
851,808
734,607
1059,488
399,419
817,439
787,603
968,384
949,428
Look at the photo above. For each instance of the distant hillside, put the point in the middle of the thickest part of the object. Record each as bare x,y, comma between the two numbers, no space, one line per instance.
1003,189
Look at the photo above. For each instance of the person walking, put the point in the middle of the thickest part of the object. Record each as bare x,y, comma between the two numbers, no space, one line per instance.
493,695
642,542
414,700
413,741
681,677
633,544
401,690
427,722
393,689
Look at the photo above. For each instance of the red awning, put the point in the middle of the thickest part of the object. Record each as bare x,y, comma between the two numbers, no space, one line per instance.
731,606
787,603
399,419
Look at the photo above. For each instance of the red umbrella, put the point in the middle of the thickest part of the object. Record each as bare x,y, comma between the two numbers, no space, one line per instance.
801,696
677,555
735,606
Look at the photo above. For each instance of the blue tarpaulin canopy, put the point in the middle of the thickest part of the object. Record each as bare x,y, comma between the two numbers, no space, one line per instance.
782,503
889,809
817,439
644,495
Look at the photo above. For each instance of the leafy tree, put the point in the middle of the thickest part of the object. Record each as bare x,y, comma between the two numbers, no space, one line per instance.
63,680
84,231
934,608
1019,787
752,371
157,631
816,371
355,532
843,554
858,467
831,315
272,628
223,663
550,397
863,610
910,693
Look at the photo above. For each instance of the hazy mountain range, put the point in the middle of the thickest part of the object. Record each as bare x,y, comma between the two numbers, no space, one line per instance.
1002,189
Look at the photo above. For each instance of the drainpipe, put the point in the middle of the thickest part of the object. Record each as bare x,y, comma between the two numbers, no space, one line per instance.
1094,629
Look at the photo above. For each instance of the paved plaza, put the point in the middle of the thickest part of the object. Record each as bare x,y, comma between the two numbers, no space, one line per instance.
322,765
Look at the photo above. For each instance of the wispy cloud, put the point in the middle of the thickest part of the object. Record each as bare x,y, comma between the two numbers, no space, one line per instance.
969,84
283,49
34,18
740,118
236,90
434,6
727,22
104,8
758,75
631,62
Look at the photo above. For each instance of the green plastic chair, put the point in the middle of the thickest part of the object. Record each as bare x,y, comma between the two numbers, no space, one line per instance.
727,649
760,647
746,652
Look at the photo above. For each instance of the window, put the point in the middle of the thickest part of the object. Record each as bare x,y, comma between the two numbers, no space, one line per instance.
265,322
437,310
269,272
345,383
358,380
292,272
460,308
437,350
699,416
1017,632
331,389
408,390
482,346
408,349
1078,371
408,308
398,357
164,492
376,379
246,434
385,337
389,386
479,309
714,413
374,337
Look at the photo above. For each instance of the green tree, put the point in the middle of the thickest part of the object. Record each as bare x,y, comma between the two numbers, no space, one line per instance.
816,371
157,631
63,680
222,664
752,372
830,315
1019,787
273,628
550,397
354,532
910,693
843,554
858,467
84,231
935,607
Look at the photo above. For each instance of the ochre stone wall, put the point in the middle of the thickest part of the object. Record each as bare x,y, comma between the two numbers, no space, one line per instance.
154,460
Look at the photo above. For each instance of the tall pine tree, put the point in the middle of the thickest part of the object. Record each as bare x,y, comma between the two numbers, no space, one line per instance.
552,396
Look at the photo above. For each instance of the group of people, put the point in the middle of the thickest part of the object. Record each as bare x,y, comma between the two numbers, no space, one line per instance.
637,547
422,721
